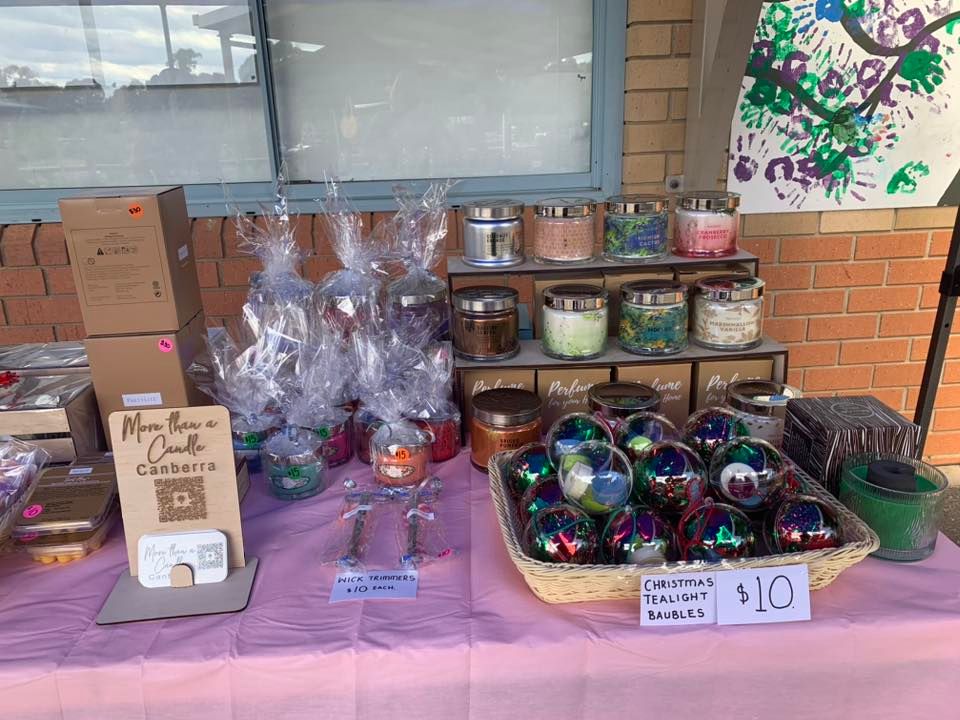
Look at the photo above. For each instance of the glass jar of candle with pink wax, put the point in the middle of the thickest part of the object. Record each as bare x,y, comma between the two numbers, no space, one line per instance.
707,224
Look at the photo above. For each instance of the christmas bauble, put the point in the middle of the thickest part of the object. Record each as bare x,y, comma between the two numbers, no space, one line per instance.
527,465
571,430
713,532
596,477
709,428
749,473
802,522
563,534
669,477
635,535
640,430
543,493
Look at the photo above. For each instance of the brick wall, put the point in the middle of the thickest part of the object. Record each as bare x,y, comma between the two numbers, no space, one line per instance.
852,293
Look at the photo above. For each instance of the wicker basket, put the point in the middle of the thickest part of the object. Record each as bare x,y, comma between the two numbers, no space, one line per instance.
562,582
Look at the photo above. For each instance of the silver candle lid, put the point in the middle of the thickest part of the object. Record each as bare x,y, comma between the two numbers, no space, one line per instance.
730,288
492,209
561,207
575,297
485,298
636,204
760,397
620,399
653,292
709,200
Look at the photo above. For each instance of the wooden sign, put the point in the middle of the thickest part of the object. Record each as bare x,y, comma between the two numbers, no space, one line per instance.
175,472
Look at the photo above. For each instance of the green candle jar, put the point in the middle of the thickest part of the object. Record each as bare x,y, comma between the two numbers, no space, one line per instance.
653,317
906,521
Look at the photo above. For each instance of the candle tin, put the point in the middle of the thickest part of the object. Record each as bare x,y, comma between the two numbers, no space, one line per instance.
707,224
574,322
728,312
563,230
503,419
493,233
635,228
653,317
486,322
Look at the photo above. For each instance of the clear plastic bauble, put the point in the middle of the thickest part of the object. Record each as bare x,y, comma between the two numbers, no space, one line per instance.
526,466
712,532
748,473
669,477
639,431
800,523
709,428
545,492
570,430
636,535
596,477
562,534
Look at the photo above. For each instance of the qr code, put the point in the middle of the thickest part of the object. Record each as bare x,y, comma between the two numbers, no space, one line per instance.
210,556
181,499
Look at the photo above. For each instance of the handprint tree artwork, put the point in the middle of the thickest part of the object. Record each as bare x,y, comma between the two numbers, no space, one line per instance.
849,104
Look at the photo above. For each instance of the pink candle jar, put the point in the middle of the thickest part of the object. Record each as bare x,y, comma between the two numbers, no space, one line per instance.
563,230
707,224
336,441
446,436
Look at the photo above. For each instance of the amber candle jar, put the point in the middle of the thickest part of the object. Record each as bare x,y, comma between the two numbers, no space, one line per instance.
503,419
486,322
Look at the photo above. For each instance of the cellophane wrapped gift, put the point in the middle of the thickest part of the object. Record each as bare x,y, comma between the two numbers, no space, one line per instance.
432,409
418,232
344,296
20,467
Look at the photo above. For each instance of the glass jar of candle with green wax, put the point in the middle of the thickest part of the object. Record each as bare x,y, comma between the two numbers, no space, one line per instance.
653,317
574,322
635,228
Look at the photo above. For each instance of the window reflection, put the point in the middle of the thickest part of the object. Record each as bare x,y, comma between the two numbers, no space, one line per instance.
112,93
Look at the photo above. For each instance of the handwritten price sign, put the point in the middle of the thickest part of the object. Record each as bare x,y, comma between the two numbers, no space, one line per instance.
764,595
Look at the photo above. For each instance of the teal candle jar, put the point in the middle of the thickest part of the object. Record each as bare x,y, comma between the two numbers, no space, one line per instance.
635,228
295,468
653,317
906,521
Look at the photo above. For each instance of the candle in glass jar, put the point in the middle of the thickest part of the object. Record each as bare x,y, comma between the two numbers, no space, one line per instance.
707,224
401,454
503,419
446,436
486,322
574,322
336,442
563,230
728,313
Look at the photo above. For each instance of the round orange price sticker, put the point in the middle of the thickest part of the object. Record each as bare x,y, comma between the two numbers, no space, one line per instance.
402,454
135,210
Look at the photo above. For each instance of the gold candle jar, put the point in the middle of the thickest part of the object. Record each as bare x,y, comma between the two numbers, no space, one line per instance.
486,322
503,419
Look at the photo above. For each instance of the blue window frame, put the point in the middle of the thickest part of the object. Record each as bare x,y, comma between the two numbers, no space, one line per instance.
207,198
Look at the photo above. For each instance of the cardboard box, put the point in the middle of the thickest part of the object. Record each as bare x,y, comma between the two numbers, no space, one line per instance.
146,371
548,280
714,377
55,412
565,391
673,382
132,260
613,281
474,381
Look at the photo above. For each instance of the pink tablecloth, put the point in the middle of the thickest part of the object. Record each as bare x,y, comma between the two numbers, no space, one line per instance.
884,641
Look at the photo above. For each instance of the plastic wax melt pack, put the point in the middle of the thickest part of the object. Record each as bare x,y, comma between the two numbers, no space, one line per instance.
74,499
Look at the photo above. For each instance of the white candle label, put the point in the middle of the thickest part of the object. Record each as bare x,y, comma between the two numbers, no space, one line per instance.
378,585
681,599
135,400
764,595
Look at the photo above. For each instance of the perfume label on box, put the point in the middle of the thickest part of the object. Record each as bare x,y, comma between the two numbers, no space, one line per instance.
713,378
565,391
673,382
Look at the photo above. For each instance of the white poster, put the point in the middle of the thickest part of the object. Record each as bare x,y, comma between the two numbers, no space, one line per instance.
849,104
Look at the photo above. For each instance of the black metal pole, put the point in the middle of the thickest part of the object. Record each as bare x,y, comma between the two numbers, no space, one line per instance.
933,370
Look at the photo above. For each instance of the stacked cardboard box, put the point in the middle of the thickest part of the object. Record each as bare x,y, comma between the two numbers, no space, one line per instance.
136,278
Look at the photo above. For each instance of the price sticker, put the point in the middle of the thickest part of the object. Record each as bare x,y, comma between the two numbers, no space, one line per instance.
251,440
764,595
293,472
322,432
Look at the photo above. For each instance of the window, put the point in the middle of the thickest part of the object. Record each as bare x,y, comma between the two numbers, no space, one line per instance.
112,94
512,97
381,90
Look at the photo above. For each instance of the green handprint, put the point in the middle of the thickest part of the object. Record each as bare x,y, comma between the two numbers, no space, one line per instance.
922,69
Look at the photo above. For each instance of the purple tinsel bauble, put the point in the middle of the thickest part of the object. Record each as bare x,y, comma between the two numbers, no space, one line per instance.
709,428
545,492
637,536
669,477
561,534
748,473
713,532
802,522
